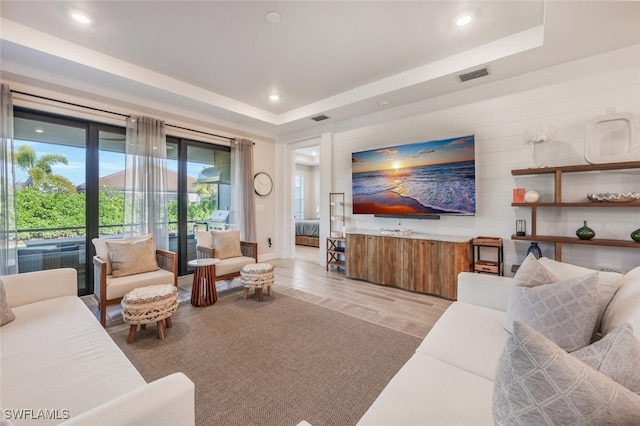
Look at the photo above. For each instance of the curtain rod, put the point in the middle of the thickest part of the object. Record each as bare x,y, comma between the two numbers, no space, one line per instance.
118,113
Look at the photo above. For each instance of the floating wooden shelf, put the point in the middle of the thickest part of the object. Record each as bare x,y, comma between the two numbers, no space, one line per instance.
558,241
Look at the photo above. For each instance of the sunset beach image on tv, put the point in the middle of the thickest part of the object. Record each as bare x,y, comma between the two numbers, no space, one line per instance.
433,177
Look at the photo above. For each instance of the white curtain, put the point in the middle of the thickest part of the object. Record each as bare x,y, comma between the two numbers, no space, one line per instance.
242,199
8,234
145,200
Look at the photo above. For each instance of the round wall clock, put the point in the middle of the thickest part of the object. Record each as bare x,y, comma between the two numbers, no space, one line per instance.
262,184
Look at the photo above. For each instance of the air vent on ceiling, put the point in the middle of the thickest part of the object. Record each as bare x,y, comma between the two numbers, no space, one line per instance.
319,117
474,74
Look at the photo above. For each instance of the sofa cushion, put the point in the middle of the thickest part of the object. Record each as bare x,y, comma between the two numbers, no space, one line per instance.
564,312
55,355
625,305
226,244
119,286
6,314
608,282
539,383
616,355
102,252
133,257
466,329
531,273
430,391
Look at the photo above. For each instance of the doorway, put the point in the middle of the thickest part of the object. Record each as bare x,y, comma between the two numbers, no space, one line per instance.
306,190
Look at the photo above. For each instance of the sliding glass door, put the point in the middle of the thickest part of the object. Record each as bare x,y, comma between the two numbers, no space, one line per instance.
70,189
50,167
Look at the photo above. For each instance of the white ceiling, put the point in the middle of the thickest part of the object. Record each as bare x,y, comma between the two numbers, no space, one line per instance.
218,62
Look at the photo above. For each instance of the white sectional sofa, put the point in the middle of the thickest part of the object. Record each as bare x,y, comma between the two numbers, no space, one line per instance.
58,365
450,378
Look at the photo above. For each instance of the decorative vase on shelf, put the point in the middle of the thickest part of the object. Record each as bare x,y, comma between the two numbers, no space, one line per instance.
534,250
635,235
585,233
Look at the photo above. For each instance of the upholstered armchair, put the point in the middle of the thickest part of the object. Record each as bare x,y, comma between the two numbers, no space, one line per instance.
120,265
226,246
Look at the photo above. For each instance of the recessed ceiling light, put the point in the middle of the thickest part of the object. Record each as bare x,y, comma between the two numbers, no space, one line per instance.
463,20
274,97
384,102
39,131
80,18
273,17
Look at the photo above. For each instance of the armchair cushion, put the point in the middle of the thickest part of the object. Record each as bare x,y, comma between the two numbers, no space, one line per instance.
232,265
132,257
103,253
119,286
226,244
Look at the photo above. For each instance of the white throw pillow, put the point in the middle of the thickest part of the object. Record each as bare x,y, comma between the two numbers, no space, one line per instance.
624,307
6,314
608,282
538,383
564,312
617,355
531,273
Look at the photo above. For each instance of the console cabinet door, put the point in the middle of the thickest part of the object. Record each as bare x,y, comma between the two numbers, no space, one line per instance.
356,255
415,265
449,260
383,265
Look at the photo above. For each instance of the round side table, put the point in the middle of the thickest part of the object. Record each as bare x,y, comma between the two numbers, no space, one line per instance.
204,292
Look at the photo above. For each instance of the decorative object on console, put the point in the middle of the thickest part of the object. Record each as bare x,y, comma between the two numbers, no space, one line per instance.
585,233
534,250
538,134
518,195
521,228
612,138
532,196
615,197
635,235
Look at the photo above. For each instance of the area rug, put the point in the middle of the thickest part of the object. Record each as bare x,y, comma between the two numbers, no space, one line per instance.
276,362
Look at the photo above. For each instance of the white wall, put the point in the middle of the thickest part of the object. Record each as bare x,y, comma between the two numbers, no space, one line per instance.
311,176
499,114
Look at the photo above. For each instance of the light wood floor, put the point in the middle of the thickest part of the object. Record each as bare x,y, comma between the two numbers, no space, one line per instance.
303,278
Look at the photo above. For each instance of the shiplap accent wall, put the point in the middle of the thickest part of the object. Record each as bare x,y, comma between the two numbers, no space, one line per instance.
499,114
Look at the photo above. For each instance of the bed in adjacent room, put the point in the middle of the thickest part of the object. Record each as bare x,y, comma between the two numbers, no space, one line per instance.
308,232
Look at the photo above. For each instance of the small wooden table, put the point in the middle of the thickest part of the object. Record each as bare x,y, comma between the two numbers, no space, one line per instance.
204,291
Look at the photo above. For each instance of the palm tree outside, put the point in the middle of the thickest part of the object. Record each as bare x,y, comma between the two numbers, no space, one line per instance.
40,170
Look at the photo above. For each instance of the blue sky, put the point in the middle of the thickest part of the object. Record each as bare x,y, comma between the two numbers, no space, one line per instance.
415,154
110,162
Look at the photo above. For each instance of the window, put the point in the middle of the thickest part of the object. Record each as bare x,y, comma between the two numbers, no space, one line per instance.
299,198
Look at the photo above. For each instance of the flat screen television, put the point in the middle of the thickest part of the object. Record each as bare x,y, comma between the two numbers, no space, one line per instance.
436,177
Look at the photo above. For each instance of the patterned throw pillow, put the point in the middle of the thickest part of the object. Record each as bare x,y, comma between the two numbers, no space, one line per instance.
532,273
132,258
617,355
564,312
6,314
226,244
538,383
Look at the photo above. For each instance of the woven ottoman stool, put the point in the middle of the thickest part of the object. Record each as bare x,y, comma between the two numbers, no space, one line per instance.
146,305
258,276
